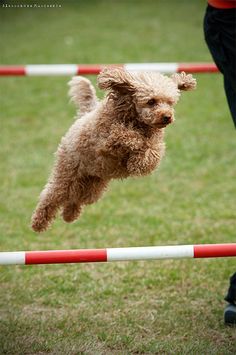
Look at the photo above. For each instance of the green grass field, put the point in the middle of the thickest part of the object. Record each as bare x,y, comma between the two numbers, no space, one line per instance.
152,307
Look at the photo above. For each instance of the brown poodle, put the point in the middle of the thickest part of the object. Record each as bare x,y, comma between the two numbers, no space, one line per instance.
120,136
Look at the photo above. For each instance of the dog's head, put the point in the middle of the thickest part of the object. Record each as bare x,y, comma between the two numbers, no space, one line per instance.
153,95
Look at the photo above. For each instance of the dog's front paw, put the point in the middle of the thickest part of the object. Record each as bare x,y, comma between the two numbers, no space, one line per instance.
71,212
139,166
143,163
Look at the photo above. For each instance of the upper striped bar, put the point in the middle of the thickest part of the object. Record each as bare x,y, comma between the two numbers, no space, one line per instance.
94,69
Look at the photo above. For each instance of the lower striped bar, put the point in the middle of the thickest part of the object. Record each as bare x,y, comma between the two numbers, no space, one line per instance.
119,254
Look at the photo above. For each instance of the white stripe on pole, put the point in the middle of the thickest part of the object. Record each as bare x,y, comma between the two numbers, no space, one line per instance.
142,253
51,69
11,258
159,67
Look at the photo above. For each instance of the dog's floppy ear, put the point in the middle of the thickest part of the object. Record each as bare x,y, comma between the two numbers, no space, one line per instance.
116,79
184,81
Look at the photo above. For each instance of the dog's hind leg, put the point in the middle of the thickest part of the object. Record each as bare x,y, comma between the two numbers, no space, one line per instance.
87,190
71,211
50,201
55,192
83,94
93,190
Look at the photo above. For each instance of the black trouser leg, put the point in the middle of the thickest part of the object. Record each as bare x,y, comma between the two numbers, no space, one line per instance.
220,36
231,295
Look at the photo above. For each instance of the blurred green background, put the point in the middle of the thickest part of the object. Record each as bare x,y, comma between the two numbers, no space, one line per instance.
122,308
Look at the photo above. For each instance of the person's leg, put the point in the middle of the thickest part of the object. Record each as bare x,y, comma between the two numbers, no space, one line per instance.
220,36
231,98
228,40
230,309
212,37
231,295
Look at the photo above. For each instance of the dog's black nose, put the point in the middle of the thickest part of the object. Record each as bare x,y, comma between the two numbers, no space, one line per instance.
166,119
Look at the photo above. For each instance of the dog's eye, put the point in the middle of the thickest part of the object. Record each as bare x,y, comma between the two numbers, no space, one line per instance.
151,102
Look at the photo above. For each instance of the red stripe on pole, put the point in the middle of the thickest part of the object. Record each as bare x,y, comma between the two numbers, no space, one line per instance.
12,70
214,250
89,69
198,68
95,69
65,256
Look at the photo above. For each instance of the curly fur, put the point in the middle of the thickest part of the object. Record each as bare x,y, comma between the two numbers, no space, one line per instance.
118,137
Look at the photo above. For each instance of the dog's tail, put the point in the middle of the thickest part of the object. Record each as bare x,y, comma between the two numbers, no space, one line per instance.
83,94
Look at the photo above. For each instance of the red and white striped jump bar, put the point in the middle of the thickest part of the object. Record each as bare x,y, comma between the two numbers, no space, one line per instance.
90,69
118,254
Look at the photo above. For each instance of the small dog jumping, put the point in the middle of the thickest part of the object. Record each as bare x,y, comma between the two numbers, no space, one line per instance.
117,137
